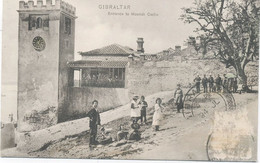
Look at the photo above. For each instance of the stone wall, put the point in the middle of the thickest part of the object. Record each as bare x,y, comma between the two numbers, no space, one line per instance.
80,100
149,77
7,136
146,78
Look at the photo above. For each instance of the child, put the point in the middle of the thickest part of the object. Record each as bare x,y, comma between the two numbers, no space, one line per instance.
157,116
143,105
135,110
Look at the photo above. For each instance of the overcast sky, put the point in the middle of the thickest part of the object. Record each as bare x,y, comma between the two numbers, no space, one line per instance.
95,29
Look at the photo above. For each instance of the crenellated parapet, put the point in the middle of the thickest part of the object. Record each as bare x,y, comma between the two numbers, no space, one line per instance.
59,5
66,7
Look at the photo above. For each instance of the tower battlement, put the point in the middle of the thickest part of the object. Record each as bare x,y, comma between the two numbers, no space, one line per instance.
68,8
59,5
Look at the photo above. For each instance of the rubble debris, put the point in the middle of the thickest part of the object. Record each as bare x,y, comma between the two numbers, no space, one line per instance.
41,119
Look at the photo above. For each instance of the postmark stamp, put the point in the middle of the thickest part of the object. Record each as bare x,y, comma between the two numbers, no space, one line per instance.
201,103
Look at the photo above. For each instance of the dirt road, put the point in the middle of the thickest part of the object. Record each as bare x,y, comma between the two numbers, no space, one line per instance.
191,143
178,138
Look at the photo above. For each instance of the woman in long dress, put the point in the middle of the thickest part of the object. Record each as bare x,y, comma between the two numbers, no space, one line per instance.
158,115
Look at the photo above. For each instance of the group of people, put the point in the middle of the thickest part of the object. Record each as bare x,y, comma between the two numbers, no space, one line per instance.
138,108
138,111
216,85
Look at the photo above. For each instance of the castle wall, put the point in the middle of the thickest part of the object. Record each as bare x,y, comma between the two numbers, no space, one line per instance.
142,78
145,78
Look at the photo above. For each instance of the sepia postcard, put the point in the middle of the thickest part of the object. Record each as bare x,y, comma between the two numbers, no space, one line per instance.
172,80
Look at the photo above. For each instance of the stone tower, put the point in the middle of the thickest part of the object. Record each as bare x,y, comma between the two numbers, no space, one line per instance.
46,43
140,45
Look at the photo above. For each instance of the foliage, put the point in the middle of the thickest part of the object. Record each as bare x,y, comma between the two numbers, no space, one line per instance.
228,28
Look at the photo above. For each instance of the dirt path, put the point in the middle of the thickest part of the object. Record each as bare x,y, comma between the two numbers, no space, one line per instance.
191,144
187,146
179,139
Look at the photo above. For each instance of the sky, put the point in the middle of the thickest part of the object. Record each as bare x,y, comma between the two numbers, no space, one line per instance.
96,29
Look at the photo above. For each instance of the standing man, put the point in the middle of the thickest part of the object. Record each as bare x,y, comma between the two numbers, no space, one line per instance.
230,84
225,83
197,83
211,83
218,83
235,86
178,94
94,121
205,84
143,105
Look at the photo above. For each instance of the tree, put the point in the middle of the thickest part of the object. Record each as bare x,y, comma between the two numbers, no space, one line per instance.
229,28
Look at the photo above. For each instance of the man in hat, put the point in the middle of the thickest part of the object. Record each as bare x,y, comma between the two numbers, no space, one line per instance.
230,84
235,86
197,83
178,94
218,82
205,84
225,83
211,83
94,121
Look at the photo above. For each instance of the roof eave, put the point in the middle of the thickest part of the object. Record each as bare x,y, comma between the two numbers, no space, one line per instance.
89,54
